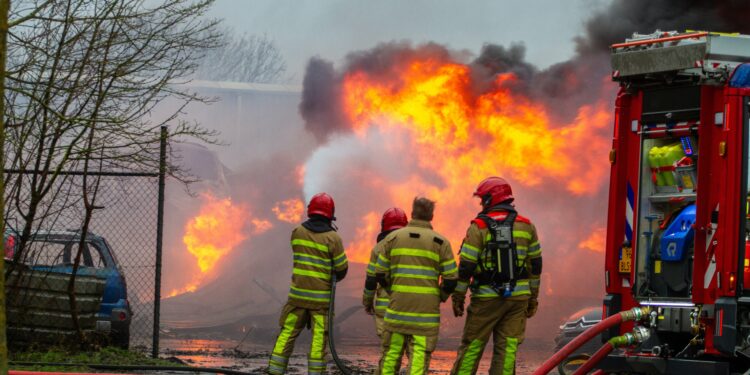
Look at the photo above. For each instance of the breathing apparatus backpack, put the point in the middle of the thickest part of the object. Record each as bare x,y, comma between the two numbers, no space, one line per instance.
498,261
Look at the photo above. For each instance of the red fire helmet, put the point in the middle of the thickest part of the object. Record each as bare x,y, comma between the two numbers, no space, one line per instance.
393,218
321,204
493,191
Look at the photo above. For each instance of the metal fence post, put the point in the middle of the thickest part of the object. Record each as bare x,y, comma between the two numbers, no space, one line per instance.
159,239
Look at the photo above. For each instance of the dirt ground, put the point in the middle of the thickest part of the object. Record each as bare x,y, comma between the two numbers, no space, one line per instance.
361,357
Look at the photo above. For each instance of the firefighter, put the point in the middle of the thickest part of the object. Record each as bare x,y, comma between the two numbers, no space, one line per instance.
318,253
500,302
374,299
410,262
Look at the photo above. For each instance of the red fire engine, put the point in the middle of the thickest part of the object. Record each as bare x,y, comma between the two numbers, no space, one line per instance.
678,224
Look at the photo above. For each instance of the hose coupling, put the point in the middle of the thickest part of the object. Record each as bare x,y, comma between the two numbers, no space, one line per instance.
637,336
636,313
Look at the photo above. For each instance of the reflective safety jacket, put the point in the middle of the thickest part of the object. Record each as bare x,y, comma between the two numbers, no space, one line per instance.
316,256
412,260
529,257
379,294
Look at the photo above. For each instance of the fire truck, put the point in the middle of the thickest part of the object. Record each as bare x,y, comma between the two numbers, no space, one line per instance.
678,225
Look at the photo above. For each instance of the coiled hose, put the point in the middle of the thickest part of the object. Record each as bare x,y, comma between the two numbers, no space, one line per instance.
331,340
636,313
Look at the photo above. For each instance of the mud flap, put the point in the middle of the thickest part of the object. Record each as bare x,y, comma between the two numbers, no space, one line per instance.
612,306
725,330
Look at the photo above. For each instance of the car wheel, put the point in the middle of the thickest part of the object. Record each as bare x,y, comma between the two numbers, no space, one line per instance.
121,337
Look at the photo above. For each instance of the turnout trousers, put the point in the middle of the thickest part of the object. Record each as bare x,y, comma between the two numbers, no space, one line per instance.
394,346
293,320
380,329
505,320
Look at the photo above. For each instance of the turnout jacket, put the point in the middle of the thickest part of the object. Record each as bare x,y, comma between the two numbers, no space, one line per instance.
379,294
317,255
411,261
529,256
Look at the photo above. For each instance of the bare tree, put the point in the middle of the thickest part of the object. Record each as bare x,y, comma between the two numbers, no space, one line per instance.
82,79
243,58
4,10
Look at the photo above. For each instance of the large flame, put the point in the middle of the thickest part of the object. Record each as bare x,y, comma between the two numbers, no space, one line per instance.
430,114
290,210
217,230
595,242
359,249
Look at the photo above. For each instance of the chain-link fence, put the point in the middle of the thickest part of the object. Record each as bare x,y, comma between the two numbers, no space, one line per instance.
123,244
125,218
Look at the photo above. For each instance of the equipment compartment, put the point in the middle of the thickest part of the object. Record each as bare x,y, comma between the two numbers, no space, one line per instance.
666,213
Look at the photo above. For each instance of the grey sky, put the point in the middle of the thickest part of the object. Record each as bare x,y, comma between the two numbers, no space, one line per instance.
332,28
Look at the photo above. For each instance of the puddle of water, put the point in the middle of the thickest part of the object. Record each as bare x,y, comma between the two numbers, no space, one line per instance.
362,356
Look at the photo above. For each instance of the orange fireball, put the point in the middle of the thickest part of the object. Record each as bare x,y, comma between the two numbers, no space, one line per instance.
462,137
216,230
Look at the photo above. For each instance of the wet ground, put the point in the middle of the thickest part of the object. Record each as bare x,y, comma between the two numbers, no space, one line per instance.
361,357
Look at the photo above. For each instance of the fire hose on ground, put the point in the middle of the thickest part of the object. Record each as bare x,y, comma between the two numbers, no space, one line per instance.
331,341
634,314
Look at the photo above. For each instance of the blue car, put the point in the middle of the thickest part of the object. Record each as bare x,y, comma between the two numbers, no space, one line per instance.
55,251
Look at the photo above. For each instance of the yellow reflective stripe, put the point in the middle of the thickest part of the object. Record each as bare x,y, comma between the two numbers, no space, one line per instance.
383,262
535,250
414,267
435,316
471,357
448,267
393,355
312,260
470,247
469,252
427,273
310,244
339,260
310,295
412,276
418,319
415,289
381,302
509,365
534,283
286,332
522,234
416,253
371,269
485,291
417,362
318,337
319,275
311,264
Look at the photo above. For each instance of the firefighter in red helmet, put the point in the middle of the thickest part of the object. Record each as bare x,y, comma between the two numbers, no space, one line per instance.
374,298
501,262
318,253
